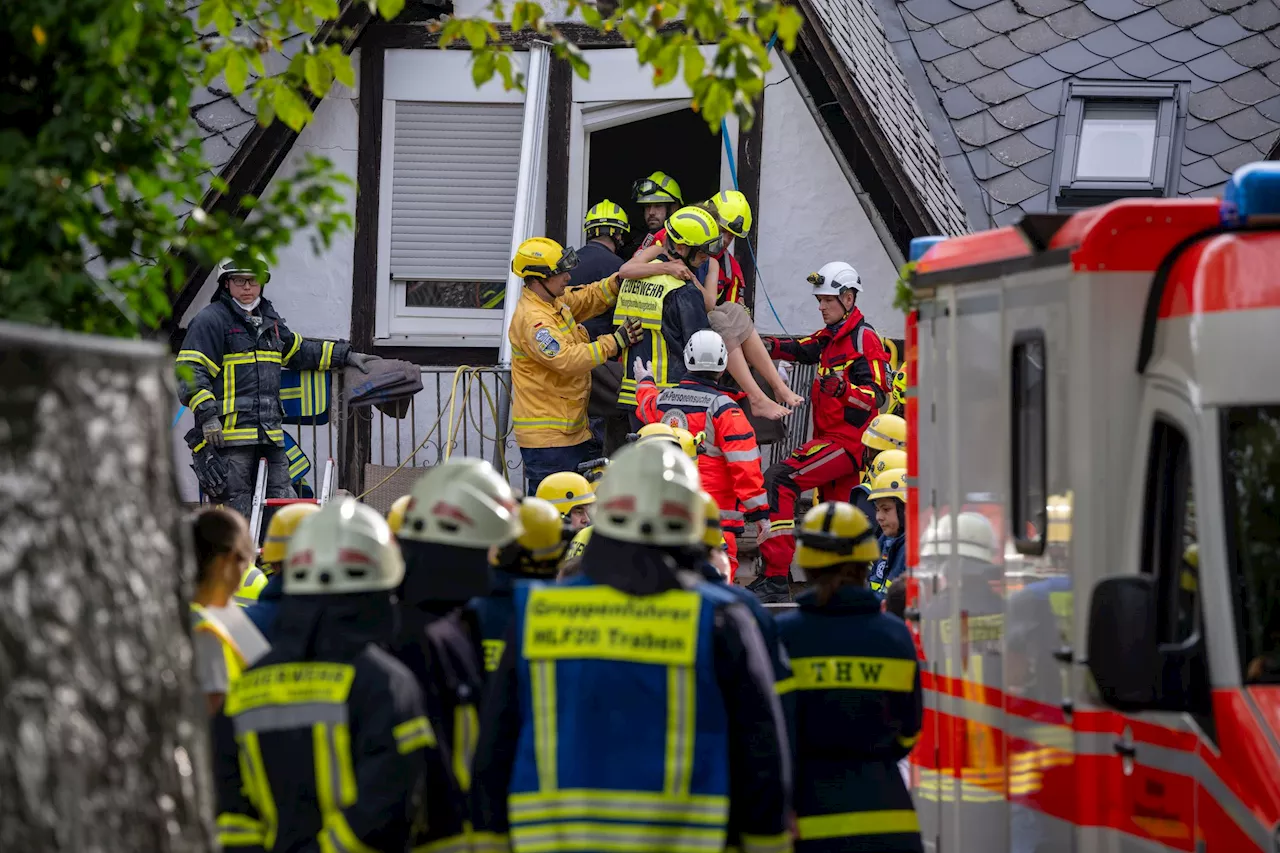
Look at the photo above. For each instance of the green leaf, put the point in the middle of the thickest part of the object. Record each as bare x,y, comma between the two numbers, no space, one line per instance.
326,10
482,66
319,77
389,9
344,71
694,63
291,109
237,71
224,19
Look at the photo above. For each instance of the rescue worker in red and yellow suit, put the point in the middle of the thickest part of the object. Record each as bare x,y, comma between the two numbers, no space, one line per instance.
852,383
729,464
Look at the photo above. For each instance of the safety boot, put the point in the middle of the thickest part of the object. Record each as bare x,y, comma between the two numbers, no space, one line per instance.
771,590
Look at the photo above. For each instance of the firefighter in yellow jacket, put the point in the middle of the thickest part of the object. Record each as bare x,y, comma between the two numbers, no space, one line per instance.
552,357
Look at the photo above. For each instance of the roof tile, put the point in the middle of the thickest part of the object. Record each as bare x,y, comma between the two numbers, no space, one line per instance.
936,80
1234,158
960,103
1040,170
1114,10
930,45
1209,140
1206,173
1034,72
1013,187
1267,141
913,23
1075,22
1185,13
1247,124
1040,8
980,130
985,167
1071,58
1035,38
1216,66
1109,41
934,11
1143,62
1000,52
1016,150
1002,16
1221,30
1148,26
997,88
1251,88
1211,104
965,31
1273,72
961,67
1108,70
1255,51
1186,187
1270,108
1182,46
1044,134
1017,114
1011,215
1047,99
1225,6
1257,16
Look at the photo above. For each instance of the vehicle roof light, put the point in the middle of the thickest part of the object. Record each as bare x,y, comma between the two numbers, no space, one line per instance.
1252,196
920,245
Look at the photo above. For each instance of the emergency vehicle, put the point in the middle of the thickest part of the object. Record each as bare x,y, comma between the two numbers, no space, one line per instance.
1108,678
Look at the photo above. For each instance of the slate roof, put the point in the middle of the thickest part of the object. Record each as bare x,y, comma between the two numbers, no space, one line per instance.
854,27
994,74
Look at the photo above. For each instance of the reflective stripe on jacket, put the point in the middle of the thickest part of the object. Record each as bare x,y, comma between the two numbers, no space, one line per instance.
203,620
235,368
551,362
730,462
680,311
855,353
858,712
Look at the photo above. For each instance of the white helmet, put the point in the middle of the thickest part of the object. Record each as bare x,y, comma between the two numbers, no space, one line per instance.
346,547
975,537
464,502
834,279
651,495
706,352
230,267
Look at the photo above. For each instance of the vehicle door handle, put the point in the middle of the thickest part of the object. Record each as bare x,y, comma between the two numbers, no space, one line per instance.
1125,749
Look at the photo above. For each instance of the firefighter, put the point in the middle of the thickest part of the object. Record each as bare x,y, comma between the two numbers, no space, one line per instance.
552,358
627,692
851,384
729,465
658,196
606,226
669,309
885,432
223,641
459,510
395,515
857,693
889,495
533,555
324,743
571,494
232,356
572,558
691,444
263,609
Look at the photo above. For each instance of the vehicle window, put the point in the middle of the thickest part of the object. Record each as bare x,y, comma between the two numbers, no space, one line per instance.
1029,459
1170,551
1251,482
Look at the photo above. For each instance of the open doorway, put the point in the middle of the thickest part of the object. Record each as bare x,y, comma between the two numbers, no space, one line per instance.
678,143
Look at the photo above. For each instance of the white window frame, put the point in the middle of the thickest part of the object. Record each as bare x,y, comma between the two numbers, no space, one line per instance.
438,76
619,92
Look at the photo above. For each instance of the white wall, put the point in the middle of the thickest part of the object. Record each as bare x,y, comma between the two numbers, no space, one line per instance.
808,217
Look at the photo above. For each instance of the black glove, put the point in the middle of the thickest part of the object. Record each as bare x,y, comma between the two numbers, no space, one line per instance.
833,385
211,470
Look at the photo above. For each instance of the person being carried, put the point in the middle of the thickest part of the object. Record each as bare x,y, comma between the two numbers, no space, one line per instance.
729,464
720,280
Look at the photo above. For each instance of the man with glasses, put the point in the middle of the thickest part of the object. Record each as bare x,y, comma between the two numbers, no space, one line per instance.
669,309
552,357
658,196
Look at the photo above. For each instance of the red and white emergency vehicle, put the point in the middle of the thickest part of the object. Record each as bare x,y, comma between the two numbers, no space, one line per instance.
1104,390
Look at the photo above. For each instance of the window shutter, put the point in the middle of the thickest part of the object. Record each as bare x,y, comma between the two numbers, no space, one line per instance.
453,193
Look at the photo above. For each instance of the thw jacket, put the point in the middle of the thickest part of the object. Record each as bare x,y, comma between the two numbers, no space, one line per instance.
551,362
730,462
855,353
235,368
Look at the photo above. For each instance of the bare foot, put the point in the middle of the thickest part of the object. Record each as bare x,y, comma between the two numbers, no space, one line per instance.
788,397
763,407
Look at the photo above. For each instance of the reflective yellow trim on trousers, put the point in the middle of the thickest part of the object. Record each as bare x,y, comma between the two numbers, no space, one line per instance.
780,843
489,842
545,725
857,823
194,356
639,806
257,787
896,675
237,830
326,355
785,686
680,731
587,835
466,733
455,844
204,395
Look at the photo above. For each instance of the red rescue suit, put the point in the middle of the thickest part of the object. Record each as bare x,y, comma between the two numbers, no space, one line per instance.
729,465
852,383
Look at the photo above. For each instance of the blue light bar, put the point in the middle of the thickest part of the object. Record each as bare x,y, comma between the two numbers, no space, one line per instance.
920,245
1252,196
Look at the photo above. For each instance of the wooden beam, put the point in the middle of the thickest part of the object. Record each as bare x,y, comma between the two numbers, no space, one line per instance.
424,34
750,162
356,435
559,109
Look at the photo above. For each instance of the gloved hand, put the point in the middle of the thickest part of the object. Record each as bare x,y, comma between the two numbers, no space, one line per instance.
642,369
361,361
211,470
212,430
833,385
628,333
762,529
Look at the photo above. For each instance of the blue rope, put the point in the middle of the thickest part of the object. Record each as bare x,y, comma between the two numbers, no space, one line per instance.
177,417
733,173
